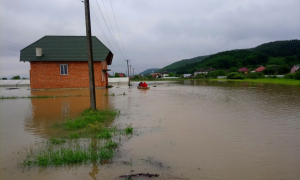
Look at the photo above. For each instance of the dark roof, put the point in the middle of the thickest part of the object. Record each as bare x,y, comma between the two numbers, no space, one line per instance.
65,48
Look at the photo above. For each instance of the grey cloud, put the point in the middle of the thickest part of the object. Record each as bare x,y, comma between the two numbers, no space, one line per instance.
154,33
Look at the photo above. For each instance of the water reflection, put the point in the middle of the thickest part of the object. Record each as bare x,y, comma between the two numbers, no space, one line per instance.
64,104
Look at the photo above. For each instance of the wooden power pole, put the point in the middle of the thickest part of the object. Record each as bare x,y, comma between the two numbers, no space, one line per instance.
128,72
90,54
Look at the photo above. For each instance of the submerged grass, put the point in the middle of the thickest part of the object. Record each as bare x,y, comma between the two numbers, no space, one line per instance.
91,120
128,130
90,124
32,97
53,140
61,155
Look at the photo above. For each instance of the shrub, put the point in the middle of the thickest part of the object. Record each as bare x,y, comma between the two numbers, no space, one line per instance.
199,76
290,76
297,75
252,75
233,69
269,71
16,77
235,75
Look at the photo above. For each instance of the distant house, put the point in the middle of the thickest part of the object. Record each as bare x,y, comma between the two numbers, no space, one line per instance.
204,71
164,74
295,68
244,70
62,62
155,75
187,75
259,69
120,74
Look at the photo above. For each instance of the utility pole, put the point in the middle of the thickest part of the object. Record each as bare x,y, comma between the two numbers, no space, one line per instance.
133,71
90,54
130,70
127,68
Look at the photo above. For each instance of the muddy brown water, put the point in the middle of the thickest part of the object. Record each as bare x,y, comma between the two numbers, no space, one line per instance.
182,130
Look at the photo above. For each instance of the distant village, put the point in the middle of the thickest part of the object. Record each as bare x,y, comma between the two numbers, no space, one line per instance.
221,74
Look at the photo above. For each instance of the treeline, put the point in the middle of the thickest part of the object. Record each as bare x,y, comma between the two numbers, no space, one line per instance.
176,65
270,54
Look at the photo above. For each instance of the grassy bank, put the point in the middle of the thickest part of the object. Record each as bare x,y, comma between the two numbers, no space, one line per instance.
261,80
87,138
265,80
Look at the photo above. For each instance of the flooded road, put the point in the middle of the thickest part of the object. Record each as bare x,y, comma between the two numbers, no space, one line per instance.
182,130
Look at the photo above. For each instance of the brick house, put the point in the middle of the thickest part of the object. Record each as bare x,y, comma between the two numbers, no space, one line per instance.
62,62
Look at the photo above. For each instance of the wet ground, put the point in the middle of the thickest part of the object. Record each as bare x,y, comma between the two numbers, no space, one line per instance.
182,130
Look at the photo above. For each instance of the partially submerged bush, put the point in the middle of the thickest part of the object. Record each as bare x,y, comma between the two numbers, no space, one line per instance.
235,75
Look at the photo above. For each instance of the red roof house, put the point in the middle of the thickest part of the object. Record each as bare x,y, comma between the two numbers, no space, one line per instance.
121,74
259,69
243,69
62,62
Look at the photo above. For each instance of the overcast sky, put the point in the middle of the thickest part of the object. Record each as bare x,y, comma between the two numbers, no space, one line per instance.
154,33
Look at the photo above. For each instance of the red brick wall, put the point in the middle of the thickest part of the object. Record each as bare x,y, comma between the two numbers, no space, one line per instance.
47,75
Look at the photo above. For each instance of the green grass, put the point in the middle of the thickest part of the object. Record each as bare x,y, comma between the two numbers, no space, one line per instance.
56,141
128,130
90,124
266,80
90,120
71,155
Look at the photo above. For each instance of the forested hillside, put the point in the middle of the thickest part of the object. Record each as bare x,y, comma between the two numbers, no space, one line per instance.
176,65
149,71
274,53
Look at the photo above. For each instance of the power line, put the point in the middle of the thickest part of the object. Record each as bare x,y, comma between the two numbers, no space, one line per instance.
108,27
103,32
118,28
112,30
101,29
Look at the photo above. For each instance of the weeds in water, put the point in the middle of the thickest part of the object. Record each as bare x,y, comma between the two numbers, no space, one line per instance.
129,130
113,94
90,117
74,135
62,155
90,124
53,140
105,134
32,97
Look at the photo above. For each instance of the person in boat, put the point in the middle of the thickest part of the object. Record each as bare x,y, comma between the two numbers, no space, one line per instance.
145,84
141,84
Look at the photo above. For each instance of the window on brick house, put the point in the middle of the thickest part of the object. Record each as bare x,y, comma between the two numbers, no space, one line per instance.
63,69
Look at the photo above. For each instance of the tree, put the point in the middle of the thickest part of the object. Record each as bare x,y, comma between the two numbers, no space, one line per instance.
283,69
269,71
117,75
233,69
4,78
171,74
16,77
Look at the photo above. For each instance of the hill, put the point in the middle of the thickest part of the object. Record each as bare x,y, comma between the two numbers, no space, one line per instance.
177,65
149,71
285,53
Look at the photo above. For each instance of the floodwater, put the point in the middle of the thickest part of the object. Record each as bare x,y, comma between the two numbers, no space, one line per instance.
182,130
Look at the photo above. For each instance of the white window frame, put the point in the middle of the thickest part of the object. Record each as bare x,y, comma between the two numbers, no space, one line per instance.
62,66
